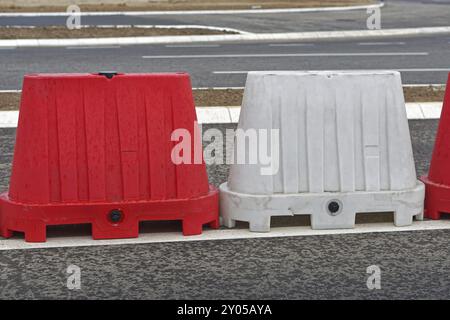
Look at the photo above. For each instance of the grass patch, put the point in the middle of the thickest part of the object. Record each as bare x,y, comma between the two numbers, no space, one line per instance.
168,5
61,32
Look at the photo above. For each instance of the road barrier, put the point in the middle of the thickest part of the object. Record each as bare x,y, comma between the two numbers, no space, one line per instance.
344,148
96,148
437,197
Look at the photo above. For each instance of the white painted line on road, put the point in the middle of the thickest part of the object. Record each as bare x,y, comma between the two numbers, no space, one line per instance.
381,43
10,91
222,234
281,55
191,12
192,45
291,45
93,47
233,72
401,70
208,115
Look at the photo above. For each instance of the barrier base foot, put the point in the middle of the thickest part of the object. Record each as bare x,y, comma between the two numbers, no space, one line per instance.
214,224
402,218
262,224
328,210
227,222
5,233
36,233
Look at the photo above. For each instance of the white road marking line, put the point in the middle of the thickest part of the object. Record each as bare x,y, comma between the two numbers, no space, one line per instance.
281,55
381,43
291,45
93,47
401,70
222,234
192,45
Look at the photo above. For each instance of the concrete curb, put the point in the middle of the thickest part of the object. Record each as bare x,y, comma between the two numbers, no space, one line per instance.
225,38
223,115
414,111
192,12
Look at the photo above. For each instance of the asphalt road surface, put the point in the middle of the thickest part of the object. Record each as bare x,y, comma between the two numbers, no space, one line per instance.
414,265
395,14
420,59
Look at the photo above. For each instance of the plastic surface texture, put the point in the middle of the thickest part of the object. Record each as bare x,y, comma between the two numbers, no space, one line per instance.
97,149
344,148
437,198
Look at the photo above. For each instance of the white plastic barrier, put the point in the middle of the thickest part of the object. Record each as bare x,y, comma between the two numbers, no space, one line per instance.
344,148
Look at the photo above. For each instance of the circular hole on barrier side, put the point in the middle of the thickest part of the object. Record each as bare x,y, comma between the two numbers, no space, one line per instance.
115,216
334,207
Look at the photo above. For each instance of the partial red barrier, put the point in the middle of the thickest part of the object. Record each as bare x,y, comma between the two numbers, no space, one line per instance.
437,192
96,148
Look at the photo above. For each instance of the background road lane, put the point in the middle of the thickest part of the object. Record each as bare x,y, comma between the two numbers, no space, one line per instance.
17,62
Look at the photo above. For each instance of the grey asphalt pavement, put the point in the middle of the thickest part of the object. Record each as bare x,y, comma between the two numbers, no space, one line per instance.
395,14
421,59
414,265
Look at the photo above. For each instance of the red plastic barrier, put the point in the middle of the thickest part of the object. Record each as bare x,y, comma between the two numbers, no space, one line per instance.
97,149
437,194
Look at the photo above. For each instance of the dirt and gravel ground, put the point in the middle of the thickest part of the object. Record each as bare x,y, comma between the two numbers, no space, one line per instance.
424,94
233,97
140,5
60,32
9,101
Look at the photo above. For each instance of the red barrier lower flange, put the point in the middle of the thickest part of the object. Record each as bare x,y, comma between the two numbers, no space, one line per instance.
437,199
109,220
